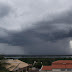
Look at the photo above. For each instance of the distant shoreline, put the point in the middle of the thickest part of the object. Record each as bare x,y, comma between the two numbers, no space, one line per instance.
37,56
32,55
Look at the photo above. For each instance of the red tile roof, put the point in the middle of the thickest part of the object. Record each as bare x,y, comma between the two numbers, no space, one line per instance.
69,66
59,65
63,61
62,64
47,68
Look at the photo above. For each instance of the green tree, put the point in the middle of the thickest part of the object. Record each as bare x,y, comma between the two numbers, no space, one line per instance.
1,57
3,64
38,65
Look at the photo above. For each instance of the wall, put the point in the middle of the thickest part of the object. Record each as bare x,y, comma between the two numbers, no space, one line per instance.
45,71
56,69
61,70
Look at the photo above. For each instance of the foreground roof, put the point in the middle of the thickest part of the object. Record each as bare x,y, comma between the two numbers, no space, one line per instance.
15,64
60,64
47,68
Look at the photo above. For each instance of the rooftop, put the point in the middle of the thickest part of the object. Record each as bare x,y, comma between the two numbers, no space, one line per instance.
60,64
47,68
15,64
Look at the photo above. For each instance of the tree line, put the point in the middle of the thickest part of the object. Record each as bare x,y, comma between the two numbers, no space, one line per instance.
42,61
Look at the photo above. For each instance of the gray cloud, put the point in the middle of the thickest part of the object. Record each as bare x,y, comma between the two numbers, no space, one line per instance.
25,13
9,49
3,33
4,10
50,37
58,28
45,35
34,45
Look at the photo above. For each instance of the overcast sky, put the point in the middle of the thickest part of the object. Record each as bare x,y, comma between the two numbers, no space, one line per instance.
36,27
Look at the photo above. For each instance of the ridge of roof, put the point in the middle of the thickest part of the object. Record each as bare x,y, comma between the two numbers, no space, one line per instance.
63,61
16,67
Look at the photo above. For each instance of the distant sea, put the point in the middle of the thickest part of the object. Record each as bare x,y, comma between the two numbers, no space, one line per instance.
37,56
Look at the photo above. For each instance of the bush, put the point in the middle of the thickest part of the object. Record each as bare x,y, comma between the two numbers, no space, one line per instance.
2,64
1,57
38,65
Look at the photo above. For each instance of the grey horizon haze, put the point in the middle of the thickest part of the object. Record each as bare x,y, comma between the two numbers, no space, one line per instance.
36,27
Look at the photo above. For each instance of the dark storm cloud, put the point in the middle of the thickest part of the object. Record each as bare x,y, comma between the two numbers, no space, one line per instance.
58,28
49,37
34,45
4,9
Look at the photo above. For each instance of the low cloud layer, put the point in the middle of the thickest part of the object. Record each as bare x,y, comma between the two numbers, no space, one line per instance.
36,26
8,49
4,10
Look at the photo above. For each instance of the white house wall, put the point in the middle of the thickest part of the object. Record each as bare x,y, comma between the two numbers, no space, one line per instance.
56,69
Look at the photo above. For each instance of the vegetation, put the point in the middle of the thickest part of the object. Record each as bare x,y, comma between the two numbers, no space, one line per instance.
37,65
1,57
2,64
45,61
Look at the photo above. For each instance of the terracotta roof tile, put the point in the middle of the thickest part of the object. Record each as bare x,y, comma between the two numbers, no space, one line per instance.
59,65
47,68
63,61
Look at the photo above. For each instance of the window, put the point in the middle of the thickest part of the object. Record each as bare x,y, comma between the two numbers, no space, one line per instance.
69,69
62,69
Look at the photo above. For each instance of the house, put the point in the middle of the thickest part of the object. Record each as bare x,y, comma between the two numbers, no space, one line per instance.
60,65
16,65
